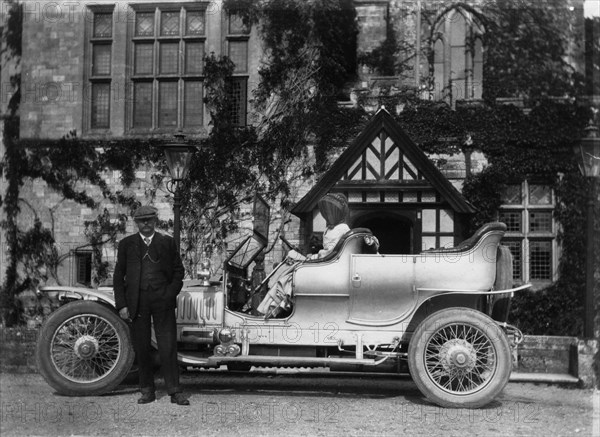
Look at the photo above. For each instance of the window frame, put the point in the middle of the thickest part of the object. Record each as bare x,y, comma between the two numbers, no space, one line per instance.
239,75
155,77
78,255
526,236
92,79
469,86
242,116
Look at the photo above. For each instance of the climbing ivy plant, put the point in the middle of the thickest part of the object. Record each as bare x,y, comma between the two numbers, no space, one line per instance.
75,168
519,145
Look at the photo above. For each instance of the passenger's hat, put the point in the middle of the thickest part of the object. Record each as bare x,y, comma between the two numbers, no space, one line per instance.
334,208
145,212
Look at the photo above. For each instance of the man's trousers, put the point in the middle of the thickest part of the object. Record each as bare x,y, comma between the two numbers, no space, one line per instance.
154,308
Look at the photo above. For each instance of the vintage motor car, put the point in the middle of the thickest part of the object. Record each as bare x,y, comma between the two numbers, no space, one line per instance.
439,315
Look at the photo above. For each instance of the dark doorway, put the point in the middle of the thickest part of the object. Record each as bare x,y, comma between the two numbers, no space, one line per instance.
394,233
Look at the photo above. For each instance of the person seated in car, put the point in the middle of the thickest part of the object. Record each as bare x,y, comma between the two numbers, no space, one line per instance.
334,209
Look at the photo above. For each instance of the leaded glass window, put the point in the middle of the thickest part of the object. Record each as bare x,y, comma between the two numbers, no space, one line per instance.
457,57
101,54
193,104
528,211
169,58
144,24
238,53
102,25
512,219
100,69
238,35
144,58
194,57
83,268
237,93
236,25
540,260
194,24
168,50
167,108
100,105
169,23
142,104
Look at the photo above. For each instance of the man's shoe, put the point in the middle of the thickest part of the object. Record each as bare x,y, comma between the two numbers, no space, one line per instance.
147,398
179,399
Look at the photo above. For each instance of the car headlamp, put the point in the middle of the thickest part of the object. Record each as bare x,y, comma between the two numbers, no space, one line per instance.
226,335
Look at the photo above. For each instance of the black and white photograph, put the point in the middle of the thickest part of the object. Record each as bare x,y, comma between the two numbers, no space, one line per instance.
300,217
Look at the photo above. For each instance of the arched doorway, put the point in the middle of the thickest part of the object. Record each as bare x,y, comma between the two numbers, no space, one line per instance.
395,233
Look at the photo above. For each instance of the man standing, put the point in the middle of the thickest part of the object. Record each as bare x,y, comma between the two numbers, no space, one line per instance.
148,276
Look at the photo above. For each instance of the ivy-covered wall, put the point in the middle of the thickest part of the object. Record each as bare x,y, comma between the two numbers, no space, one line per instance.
59,189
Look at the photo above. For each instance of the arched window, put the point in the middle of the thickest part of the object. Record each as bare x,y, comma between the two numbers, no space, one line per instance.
457,57
438,69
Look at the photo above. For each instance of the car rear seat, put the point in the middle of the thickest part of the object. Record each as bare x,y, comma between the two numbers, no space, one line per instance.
361,245
472,241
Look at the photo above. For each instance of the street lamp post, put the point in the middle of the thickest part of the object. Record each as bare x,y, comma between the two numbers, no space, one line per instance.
179,155
588,157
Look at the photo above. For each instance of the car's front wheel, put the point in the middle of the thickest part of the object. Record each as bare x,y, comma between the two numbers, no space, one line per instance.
84,349
459,358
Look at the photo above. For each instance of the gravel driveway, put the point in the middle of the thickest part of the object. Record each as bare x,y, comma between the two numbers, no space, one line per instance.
290,404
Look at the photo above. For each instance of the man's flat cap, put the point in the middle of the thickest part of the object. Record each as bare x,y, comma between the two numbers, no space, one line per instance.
145,212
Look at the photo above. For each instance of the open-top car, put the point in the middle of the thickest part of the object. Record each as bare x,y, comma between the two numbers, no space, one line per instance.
440,314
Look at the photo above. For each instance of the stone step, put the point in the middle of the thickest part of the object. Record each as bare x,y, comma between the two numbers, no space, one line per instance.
550,378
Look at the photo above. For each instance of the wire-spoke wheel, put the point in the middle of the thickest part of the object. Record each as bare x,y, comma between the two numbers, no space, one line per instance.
84,349
459,357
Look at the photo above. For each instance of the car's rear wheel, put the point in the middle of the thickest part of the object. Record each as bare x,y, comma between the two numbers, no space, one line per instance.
459,358
84,349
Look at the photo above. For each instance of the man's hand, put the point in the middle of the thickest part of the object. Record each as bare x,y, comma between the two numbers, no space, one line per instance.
124,313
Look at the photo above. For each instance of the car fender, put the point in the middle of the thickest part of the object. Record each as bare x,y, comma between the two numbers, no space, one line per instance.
65,293
426,295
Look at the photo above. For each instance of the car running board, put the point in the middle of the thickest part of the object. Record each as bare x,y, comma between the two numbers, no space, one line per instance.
275,361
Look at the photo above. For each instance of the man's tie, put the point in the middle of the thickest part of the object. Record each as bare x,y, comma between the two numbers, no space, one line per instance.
147,241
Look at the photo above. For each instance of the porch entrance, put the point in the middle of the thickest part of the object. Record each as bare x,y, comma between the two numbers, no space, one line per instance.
395,234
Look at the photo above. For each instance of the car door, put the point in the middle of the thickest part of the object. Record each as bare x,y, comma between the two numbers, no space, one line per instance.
382,289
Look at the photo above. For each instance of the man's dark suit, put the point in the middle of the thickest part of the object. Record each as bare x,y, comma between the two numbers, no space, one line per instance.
157,302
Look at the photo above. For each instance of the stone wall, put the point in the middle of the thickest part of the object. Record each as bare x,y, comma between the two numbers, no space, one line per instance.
66,219
52,69
18,350
547,354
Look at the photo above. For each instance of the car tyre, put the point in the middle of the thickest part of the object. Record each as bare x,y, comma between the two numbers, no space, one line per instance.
84,349
459,358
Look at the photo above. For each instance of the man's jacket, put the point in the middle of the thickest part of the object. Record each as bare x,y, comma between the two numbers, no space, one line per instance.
129,266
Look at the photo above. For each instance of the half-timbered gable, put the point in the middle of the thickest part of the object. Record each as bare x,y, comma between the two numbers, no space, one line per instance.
393,188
